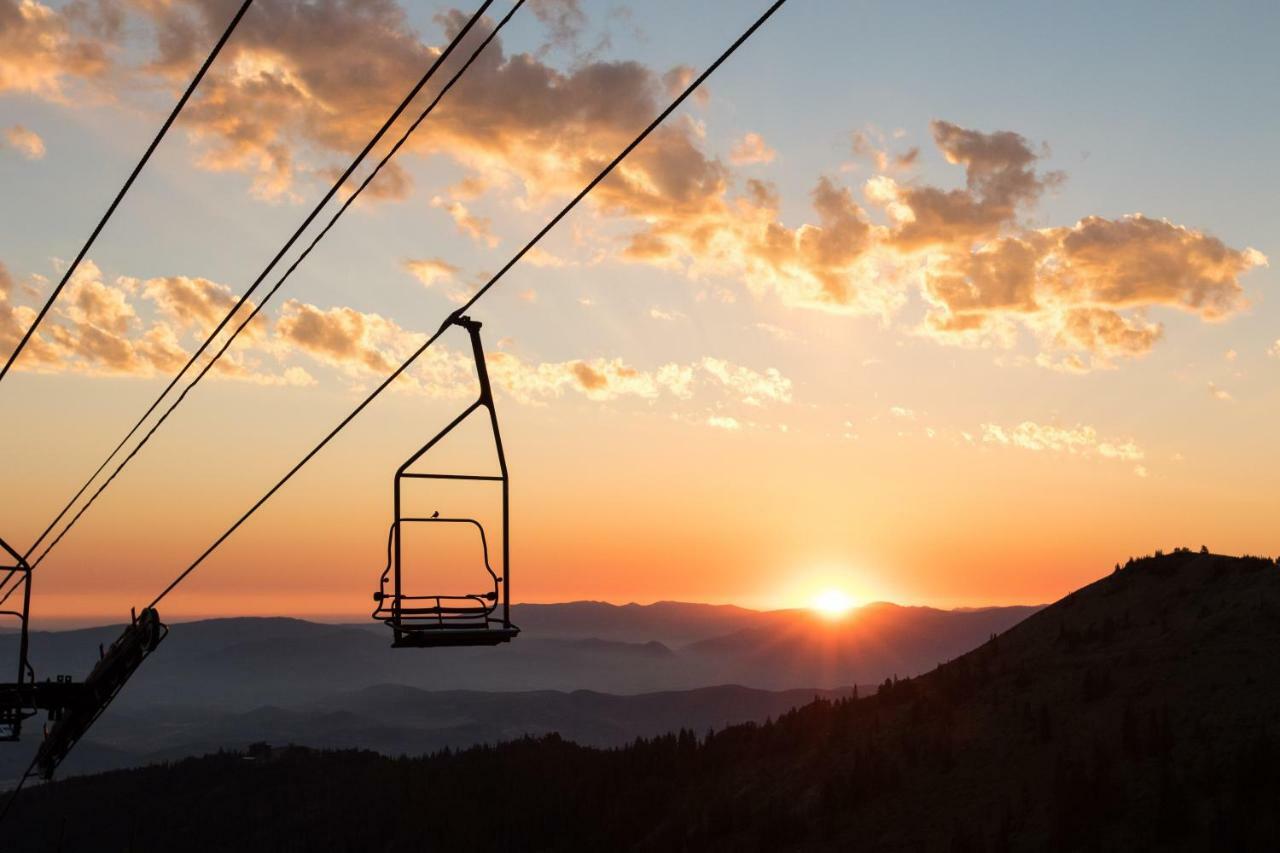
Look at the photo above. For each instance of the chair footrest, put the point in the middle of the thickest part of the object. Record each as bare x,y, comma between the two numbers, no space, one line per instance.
427,638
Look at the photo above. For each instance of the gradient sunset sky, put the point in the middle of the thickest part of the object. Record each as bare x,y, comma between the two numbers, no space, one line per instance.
941,304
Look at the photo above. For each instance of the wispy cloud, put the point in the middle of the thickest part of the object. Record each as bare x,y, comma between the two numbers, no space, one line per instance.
26,142
751,149
1079,440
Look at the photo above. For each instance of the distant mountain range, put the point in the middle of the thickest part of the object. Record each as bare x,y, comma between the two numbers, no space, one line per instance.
1139,713
223,683
238,664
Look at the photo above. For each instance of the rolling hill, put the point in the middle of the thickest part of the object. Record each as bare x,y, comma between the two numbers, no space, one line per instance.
1141,712
223,683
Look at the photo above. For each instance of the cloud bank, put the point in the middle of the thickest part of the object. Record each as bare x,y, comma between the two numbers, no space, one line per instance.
961,265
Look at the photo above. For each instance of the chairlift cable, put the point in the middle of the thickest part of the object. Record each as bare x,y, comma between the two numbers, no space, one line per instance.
453,316
137,170
221,325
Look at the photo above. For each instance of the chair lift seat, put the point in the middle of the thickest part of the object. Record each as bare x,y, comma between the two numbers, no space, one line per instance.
450,620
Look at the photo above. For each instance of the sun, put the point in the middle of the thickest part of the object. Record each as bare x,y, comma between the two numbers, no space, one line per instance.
832,603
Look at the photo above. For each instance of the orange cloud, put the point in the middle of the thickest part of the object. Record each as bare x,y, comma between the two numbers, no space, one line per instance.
1079,440
751,149
95,329
431,271
26,142
190,301
1081,293
478,228
128,327
875,151
135,328
752,387
365,344
41,47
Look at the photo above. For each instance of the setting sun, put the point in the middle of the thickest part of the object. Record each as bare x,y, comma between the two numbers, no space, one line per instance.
832,603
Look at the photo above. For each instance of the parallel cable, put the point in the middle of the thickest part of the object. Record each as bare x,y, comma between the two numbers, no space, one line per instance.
137,170
262,277
386,383
270,293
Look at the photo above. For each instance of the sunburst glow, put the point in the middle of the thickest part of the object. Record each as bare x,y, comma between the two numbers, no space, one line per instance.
832,603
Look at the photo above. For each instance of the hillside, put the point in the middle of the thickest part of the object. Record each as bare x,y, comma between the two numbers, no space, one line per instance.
1140,712
399,720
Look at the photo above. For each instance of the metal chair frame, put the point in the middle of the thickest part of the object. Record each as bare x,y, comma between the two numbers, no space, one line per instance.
453,620
17,700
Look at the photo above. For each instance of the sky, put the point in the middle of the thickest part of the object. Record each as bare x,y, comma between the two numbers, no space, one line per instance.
945,305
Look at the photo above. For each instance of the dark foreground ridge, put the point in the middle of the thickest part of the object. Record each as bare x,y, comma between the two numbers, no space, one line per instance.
1140,712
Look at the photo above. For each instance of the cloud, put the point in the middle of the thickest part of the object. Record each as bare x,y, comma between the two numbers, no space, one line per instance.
343,336
665,316
1274,349
41,47
723,422
610,379
478,228
13,319
1220,394
365,344
26,142
431,271
95,328
597,379
751,149
563,18
191,301
128,327
1079,440
752,387
540,257
133,327
833,265
1084,295
274,107
1138,261
1083,292
999,167
678,79
875,150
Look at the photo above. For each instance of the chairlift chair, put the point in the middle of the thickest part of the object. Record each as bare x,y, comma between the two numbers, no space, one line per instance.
23,698
480,618
73,706
16,702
